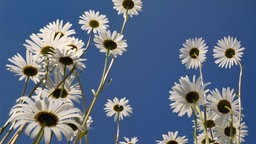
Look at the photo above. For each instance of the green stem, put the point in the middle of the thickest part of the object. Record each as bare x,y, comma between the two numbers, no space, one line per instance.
125,21
118,128
203,124
63,84
39,135
239,102
195,127
17,134
88,42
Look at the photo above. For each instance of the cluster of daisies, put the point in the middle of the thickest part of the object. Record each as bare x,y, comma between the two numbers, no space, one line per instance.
54,59
218,118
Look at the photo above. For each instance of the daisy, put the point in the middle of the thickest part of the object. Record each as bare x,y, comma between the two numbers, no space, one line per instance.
223,132
118,108
30,68
74,44
58,28
172,138
133,140
187,94
52,115
210,122
70,92
130,6
93,21
110,42
46,44
228,52
68,58
193,53
201,139
218,103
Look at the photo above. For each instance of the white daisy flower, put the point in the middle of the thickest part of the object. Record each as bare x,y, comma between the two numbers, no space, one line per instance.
74,44
223,132
210,122
172,138
31,67
70,92
193,53
68,58
133,140
130,6
201,139
228,52
187,94
218,103
93,21
118,108
110,42
53,115
58,28
46,44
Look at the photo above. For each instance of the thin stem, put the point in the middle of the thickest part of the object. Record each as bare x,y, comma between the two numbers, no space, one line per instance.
81,88
105,73
203,124
88,42
25,86
7,134
63,84
17,134
39,135
118,127
239,101
195,127
125,21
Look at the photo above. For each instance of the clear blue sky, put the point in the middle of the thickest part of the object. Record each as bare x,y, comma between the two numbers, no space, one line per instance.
147,71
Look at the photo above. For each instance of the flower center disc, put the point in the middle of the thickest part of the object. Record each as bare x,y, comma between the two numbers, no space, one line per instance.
230,52
210,124
57,93
109,44
172,142
118,108
66,60
222,106
227,131
194,53
94,23
47,50
46,118
128,4
192,97
30,71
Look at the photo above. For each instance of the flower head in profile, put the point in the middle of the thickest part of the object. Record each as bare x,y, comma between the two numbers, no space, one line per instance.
53,116
112,43
193,53
220,104
187,94
58,28
118,108
130,7
30,68
133,140
172,138
226,131
228,52
93,21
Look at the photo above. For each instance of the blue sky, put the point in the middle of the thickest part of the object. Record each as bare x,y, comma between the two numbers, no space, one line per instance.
151,65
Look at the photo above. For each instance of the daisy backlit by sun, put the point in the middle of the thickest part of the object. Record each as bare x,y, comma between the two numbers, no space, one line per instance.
193,53
133,140
30,68
118,108
220,103
68,93
110,42
187,94
172,138
228,52
93,21
130,6
224,135
58,28
53,116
